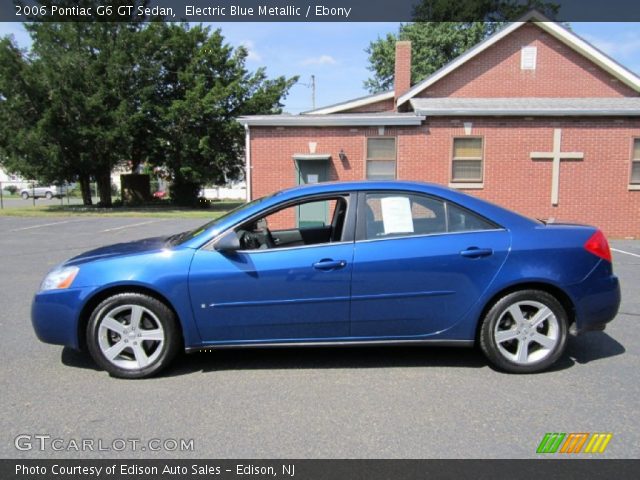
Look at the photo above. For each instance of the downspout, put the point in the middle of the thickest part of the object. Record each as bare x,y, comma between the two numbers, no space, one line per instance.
247,165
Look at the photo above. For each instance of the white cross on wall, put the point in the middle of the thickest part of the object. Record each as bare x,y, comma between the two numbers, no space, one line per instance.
556,156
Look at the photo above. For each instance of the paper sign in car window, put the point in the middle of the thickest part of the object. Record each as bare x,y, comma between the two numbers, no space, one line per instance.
396,215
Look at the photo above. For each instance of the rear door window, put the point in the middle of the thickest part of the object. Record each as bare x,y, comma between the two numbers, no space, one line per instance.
397,214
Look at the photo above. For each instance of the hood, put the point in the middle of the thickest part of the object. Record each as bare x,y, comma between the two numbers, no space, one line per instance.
121,249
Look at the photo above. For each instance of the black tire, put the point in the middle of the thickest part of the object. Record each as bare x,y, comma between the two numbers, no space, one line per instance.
126,364
24,195
555,328
48,195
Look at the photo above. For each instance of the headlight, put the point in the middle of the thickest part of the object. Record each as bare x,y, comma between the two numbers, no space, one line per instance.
59,278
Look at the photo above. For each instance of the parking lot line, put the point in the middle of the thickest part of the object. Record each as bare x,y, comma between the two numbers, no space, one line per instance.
626,253
43,225
132,225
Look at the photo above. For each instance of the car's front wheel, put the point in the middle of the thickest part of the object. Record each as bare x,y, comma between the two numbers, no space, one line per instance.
24,195
48,195
524,331
133,335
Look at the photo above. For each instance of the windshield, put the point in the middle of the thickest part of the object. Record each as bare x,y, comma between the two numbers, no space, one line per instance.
188,235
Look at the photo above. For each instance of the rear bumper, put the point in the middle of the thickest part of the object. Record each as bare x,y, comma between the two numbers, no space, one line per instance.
597,300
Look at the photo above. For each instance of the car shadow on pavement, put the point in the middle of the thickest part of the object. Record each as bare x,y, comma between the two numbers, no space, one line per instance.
74,358
583,349
303,358
325,358
592,346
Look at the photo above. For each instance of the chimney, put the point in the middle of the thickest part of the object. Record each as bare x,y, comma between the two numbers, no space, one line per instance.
402,82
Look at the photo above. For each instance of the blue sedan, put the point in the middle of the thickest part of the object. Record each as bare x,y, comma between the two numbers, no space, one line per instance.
337,264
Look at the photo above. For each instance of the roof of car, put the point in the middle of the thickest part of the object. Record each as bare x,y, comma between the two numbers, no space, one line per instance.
327,187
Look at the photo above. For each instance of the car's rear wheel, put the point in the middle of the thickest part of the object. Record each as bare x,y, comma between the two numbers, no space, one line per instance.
132,335
48,195
25,196
524,331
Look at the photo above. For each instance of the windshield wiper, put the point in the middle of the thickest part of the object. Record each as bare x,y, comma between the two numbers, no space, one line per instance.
177,238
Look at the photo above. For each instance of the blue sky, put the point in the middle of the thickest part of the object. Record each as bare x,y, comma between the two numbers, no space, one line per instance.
334,52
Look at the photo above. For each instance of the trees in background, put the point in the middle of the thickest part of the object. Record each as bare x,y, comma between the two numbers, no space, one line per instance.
202,86
435,40
89,96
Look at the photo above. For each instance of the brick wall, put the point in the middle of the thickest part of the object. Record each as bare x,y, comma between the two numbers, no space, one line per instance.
402,69
560,72
594,190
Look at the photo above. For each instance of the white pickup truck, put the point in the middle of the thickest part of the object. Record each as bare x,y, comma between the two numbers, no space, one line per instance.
47,192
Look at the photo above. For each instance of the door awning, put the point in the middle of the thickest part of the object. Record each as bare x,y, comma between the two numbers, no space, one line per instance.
311,156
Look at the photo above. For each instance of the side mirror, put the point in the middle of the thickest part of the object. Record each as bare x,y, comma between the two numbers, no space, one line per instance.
229,242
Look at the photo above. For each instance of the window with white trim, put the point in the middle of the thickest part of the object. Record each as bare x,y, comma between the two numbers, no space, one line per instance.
466,165
381,158
635,163
528,56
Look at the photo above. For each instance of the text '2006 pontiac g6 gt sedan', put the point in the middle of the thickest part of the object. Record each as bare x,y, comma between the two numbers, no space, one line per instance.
337,263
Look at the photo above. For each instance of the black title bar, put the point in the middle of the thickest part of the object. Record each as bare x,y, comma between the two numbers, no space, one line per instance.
314,10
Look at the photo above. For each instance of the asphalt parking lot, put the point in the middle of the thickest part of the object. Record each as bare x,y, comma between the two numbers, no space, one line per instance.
293,403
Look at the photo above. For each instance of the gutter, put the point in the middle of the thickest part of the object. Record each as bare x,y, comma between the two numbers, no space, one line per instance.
355,120
454,112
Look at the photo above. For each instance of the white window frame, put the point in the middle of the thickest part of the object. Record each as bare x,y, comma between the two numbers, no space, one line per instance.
367,159
633,185
466,183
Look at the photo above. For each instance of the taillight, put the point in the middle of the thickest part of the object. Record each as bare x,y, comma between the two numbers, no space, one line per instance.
598,245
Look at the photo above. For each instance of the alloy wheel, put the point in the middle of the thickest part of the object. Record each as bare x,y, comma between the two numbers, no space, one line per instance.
130,337
527,332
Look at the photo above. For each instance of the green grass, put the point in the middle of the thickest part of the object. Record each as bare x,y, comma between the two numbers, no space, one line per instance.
216,210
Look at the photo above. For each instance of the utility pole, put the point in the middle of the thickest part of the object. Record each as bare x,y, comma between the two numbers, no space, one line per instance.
312,86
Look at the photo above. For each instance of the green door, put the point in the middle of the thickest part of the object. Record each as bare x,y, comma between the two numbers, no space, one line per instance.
314,214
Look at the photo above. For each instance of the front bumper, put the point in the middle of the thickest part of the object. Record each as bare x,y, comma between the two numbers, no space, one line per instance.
55,315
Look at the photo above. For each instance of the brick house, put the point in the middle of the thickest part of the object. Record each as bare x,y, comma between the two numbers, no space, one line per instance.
533,118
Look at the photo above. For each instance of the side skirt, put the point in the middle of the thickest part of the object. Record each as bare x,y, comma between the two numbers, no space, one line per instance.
343,343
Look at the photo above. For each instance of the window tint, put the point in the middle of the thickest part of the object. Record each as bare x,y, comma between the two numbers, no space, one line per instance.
461,220
403,214
399,214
